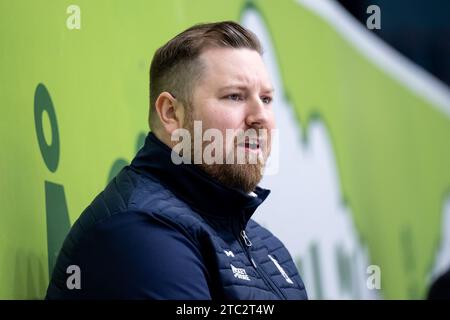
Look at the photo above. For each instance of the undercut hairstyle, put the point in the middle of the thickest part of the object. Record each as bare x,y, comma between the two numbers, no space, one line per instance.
176,66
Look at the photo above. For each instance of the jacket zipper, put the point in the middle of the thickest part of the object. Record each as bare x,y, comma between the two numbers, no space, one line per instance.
246,246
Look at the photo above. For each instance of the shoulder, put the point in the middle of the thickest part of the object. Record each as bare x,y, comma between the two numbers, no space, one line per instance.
131,192
134,255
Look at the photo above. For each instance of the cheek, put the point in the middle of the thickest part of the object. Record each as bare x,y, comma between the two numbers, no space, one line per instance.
217,121
222,120
271,123
220,117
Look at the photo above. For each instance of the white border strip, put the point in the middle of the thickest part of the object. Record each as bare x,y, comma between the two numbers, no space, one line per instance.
393,63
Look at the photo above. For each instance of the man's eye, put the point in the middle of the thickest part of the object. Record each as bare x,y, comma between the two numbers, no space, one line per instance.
266,100
234,97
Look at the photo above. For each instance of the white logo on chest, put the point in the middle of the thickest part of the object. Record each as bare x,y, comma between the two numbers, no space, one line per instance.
239,273
229,253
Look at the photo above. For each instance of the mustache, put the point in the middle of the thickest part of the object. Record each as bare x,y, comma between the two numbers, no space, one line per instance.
260,138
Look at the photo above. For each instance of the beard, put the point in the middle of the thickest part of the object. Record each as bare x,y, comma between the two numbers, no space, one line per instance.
242,176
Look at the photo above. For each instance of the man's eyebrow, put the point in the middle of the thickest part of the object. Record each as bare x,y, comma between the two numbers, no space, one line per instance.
244,87
270,90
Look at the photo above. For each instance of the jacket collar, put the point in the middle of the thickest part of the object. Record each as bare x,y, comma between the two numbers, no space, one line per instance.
195,187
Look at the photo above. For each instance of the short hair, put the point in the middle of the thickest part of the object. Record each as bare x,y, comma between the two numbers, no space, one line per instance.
175,67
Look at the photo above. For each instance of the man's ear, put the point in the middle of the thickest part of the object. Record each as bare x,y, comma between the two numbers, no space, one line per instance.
170,112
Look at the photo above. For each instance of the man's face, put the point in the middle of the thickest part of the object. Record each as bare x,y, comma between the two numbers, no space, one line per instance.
234,92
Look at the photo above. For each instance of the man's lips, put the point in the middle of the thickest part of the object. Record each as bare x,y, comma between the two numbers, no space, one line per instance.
252,144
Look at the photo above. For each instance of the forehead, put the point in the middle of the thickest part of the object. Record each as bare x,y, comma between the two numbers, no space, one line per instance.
229,66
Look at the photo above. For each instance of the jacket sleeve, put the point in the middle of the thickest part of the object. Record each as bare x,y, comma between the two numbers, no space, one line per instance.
138,256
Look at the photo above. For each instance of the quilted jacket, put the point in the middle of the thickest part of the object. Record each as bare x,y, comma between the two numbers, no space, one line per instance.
165,231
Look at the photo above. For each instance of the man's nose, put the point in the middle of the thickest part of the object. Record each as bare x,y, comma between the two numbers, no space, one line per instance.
257,113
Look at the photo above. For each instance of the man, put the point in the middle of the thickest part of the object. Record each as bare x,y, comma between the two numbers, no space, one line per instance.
175,224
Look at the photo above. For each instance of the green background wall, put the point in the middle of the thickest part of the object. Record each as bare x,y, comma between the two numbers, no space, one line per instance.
392,146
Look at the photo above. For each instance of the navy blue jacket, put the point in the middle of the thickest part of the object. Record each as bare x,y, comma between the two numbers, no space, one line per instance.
166,231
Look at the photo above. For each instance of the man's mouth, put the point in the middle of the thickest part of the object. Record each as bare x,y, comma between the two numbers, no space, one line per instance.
253,145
